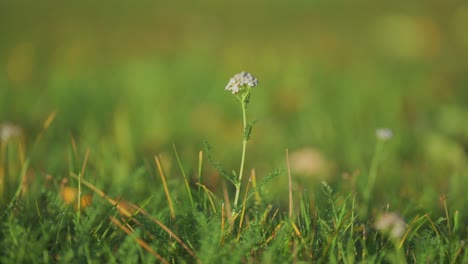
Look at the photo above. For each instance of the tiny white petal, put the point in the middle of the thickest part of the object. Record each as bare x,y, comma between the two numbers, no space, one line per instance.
9,131
392,224
237,83
384,133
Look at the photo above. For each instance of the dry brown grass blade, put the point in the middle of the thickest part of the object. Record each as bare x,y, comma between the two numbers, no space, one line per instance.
165,228
121,209
74,147
166,190
274,215
49,120
85,161
275,231
244,201
125,207
296,230
227,202
244,206
222,223
45,126
2,169
83,167
210,195
200,167
258,198
411,227
291,209
140,242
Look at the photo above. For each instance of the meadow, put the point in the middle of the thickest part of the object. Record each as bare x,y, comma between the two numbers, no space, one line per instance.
120,144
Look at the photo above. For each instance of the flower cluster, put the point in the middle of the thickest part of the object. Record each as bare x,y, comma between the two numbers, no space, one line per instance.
392,224
9,131
240,81
384,134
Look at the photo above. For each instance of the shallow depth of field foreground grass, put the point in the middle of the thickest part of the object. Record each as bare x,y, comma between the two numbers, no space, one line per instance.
163,211
120,144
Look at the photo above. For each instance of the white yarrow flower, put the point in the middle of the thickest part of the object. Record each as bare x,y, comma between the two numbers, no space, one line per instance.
239,82
384,133
9,131
392,224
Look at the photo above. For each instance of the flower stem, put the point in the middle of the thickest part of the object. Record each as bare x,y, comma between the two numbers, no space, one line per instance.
372,175
244,146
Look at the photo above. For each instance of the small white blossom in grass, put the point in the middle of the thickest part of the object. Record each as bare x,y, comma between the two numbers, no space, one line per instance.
240,85
9,131
391,224
240,81
384,134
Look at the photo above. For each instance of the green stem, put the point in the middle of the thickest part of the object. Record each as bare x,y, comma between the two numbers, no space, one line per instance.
373,172
79,197
244,146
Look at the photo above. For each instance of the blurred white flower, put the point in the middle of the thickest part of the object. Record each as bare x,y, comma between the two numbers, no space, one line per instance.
240,81
310,163
9,131
392,224
384,133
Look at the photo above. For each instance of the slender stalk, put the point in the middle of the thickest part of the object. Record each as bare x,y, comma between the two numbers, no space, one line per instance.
244,146
79,197
291,209
2,171
185,177
373,171
166,189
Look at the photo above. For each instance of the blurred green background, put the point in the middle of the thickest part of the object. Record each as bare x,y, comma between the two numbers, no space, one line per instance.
134,77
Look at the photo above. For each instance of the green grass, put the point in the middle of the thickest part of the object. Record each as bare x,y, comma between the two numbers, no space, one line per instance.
124,120
193,222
